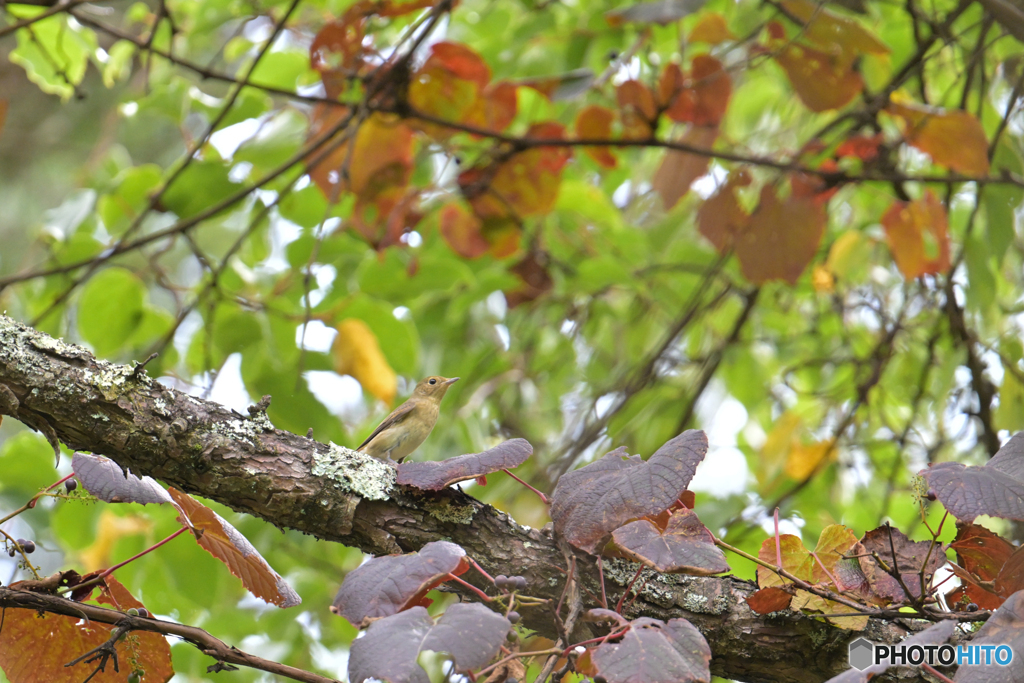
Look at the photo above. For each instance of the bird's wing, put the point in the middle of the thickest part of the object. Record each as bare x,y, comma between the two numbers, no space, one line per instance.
396,416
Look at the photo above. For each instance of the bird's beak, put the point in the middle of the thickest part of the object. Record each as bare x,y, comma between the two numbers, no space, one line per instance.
451,381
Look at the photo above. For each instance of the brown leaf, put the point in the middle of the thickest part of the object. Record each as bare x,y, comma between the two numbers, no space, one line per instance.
217,537
653,651
781,237
462,230
918,236
678,170
534,277
981,554
471,633
595,123
387,585
685,546
711,28
35,646
768,600
436,475
721,218
910,557
705,95
591,502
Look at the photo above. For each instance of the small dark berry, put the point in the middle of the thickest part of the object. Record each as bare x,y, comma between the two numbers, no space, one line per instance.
972,607
514,617
71,485
511,680
520,582
11,551
600,679
931,496
500,580
132,612
28,546
143,612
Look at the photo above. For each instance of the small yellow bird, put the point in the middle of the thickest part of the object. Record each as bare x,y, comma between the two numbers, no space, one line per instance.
409,424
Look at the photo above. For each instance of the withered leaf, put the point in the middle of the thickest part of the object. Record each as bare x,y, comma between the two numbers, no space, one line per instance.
387,585
981,555
591,502
909,557
436,475
995,488
34,647
217,537
768,600
653,651
685,546
469,632
104,478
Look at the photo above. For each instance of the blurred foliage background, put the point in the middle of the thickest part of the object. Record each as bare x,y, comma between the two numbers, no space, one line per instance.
608,318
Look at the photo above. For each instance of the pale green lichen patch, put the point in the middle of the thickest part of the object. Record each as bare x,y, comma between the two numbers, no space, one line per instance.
356,472
243,429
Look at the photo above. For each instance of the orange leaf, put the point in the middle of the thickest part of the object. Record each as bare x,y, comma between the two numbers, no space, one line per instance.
449,84
838,35
863,147
638,110
918,236
822,81
678,170
781,237
952,138
595,123
495,108
711,28
461,229
223,541
357,352
704,101
524,185
34,647
721,218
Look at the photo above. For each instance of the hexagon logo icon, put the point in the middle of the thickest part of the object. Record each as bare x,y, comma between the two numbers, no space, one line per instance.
860,653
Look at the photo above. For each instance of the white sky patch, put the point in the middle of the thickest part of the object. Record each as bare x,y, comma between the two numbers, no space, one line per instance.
129,109
318,337
724,472
503,336
604,403
227,140
229,389
413,239
706,185
401,312
496,304
340,394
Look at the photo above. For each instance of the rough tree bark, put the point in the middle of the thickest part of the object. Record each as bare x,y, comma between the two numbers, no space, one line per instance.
338,495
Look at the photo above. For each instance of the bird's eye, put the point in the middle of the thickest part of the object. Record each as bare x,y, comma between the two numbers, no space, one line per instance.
433,381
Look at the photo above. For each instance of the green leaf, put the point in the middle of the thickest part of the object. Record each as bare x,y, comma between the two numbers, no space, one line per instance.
54,54
110,309
200,186
27,461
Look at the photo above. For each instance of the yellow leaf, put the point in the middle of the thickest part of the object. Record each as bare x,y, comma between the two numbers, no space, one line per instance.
837,34
711,28
112,528
357,353
822,279
953,138
804,459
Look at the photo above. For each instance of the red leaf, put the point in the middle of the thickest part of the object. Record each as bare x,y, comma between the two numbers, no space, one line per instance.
638,110
705,97
653,651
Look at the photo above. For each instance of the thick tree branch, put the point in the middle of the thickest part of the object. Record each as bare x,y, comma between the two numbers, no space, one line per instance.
336,494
